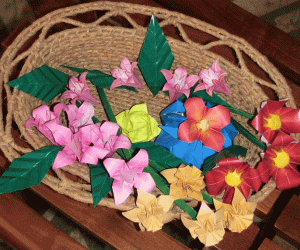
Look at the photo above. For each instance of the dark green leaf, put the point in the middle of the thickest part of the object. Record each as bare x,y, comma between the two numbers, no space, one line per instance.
128,88
155,55
233,151
28,170
207,197
248,135
44,83
101,182
218,100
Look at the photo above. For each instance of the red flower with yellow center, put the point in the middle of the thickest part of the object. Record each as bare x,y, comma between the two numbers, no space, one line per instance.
231,173
280,161
204,124
274,118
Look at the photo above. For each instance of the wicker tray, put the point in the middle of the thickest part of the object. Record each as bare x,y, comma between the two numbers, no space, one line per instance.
100,46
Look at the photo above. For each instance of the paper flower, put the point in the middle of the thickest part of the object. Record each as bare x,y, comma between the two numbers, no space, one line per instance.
81,116
151,211
213,80
185,181
208,227
126,75
42,115
273,117
79,90
231,173
137,124
129,175
280,161
239,215
204,124
179,83
193,153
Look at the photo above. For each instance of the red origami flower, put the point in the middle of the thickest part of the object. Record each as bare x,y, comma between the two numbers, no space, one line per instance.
232,173
204,124
280,161
273,117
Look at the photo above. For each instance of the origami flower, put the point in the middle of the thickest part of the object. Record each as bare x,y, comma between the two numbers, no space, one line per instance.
231,173
208,227
204,124
42,115
280,161
213,80
273,117
79,90
129,175
151,211
126,75
137,124
81,116
239,215
193,153
178,83
186,181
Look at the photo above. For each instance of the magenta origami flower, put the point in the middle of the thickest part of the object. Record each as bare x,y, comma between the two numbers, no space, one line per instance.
274,118
204,124
280,161
179,83
129,175
81,116
213,80
42,115
79,90
231,173
126,75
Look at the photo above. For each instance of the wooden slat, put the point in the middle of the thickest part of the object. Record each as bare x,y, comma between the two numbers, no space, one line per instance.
265,207
288,224
24,228
269,245
238,241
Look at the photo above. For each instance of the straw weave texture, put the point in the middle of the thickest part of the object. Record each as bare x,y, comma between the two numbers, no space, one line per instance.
101,47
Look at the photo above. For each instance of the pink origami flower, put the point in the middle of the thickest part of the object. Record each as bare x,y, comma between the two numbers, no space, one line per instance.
42,115
204,124
79,90
213,80
126,75
274,118
79,117
231,173
129,175
179,83
280,161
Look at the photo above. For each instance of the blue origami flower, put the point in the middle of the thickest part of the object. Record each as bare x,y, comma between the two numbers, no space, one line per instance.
193,153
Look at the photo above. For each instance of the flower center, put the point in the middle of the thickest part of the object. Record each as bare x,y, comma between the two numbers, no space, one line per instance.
233,179
273,122
282,159
203,125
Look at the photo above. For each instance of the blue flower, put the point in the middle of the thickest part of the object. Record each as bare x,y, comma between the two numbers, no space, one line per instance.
193,153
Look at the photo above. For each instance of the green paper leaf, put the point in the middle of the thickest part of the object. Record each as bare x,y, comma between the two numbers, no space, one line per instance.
28,170
207,197
155,55
218,100
44,83
233,151
248,135
159,154
101,182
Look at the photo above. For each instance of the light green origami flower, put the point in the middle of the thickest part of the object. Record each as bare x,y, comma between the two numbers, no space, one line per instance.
137,124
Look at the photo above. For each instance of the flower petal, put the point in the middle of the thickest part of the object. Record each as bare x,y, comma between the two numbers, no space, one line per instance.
139,161
195,108
287,177
121,191
62,159
145,182
219,117
188,131
114,166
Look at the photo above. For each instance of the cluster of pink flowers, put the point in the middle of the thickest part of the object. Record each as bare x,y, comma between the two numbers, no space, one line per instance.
86,142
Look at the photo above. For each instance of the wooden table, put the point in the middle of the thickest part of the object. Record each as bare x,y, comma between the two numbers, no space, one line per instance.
108,224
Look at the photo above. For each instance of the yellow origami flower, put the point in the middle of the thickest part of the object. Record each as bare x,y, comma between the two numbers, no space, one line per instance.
186,181
151,212
239,215
208,227
137,124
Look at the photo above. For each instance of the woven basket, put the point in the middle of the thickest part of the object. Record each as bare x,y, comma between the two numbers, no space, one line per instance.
97,46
